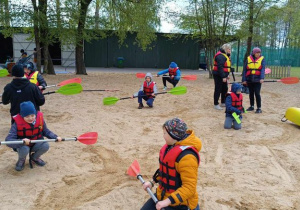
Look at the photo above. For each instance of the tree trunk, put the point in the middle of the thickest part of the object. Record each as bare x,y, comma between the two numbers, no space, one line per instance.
97,16
37,35
80,66
7,14
250,29
58,17
44,31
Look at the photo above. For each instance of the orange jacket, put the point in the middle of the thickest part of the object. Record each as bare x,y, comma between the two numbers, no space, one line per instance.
187,167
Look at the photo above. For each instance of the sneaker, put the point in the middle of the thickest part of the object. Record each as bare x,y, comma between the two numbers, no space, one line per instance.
258,111
217,107
223,105
165,88
38,161
150,106
140,106
20,164
251,108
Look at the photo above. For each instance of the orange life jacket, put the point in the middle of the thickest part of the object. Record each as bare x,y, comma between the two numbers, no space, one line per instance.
148,90
173,71
254,65
25,130
227,64
170,179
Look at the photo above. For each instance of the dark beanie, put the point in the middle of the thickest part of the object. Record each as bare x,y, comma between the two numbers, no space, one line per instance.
27,108
17,71
176,128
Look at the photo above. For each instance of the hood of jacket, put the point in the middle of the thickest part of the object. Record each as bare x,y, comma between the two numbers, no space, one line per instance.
235,87
20,83
149,75
191,140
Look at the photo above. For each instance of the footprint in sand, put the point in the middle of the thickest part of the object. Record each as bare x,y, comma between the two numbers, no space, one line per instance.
52,118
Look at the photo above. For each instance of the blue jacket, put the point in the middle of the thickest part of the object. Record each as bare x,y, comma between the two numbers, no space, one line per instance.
254,78
228,102
178,74
12,135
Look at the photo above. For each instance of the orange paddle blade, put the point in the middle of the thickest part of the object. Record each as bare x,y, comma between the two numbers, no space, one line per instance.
88,138
74,80
134,169
190,77
289,80
140,75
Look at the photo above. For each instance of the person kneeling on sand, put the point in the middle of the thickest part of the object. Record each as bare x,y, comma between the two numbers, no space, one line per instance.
234,107
178,169
29,125
147,91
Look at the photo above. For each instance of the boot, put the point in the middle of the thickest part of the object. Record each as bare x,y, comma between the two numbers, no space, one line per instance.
38,161
20,164
140,106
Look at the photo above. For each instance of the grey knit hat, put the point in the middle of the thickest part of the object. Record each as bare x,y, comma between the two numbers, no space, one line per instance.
176,128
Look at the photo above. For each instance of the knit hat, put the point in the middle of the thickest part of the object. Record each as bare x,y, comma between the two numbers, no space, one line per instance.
173,65
27,108
176,128
17,71
256,50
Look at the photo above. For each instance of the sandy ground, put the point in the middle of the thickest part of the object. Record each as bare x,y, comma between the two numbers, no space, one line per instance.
257,167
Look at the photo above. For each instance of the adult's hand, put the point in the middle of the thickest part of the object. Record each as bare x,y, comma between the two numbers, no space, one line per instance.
224,79
261,81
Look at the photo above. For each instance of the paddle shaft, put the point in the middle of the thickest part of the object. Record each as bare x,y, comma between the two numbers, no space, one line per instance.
48,93
100,90
37,141
51,86
141,96
139,177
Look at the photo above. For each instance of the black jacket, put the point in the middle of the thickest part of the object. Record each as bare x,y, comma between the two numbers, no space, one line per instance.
20,90
221,59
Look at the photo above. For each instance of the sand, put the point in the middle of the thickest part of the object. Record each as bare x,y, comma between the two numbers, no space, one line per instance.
257,167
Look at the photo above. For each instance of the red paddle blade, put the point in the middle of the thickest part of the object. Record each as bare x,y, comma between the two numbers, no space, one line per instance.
134,169
289,80
190,77
267,71
140,75
74,80
88,138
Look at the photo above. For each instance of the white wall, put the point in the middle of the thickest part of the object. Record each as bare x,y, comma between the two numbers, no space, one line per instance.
20,41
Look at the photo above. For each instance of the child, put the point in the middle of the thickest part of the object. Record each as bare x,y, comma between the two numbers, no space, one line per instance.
29,125
234,104
34,76
178,169
147,91
174,73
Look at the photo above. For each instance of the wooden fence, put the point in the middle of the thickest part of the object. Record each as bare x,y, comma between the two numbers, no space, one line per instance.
279,71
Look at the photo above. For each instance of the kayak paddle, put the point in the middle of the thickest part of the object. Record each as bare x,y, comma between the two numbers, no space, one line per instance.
286,80
69,89
3,72
87,138
134,170
187,77
65,82
180,90
101,90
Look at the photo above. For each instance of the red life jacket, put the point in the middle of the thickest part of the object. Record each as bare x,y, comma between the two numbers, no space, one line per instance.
227,64
237,102
148,90
25,130
170,179
173,71
254,65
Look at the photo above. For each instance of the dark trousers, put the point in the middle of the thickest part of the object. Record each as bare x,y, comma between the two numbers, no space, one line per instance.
172,81
254,89
150,205
142,96
221,88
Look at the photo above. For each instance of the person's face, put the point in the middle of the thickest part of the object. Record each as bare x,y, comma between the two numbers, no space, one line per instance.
238,92
27,71
148,79
257,55
228,50
30,118
169,140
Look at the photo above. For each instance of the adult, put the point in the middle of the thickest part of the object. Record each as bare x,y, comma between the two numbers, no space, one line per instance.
20,90
253,77
174,75
221,70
